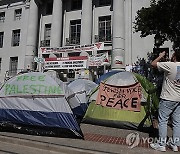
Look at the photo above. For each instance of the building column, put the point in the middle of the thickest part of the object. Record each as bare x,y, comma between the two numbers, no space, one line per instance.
118,35
86,22
56,30
31,45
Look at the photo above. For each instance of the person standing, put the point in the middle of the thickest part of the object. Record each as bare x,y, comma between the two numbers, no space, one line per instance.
170,101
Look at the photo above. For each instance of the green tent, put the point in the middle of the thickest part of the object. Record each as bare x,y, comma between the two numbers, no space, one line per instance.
128,119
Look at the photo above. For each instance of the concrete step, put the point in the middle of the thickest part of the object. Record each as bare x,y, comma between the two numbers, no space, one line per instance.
29,146
11,148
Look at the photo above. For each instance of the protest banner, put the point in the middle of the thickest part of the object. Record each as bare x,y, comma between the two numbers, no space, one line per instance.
86,47
79,62
99,59
120,97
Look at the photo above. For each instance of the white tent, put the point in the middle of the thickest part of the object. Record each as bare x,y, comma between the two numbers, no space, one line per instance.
36,99
81,89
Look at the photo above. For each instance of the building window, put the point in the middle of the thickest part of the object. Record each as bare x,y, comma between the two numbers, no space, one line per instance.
2,17
16,37
104,2
105,28
17,14
13,66
76,5
1,39
47,36
47,32
49,7
75,31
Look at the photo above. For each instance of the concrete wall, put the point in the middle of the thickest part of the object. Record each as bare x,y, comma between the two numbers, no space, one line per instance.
7,27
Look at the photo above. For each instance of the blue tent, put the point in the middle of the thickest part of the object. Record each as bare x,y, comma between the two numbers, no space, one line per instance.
106,75
36,100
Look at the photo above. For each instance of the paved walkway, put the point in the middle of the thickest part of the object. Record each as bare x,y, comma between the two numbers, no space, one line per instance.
119,136
98,139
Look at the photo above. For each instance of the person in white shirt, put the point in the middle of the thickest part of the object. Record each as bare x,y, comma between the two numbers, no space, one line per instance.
170,101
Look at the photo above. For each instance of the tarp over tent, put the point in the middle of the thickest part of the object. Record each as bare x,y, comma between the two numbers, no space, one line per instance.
81,89
108,115
38,100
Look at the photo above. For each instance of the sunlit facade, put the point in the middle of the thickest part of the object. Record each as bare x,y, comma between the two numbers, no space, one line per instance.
68,35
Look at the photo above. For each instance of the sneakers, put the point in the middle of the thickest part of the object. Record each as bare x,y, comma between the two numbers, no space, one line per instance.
173,147
158,147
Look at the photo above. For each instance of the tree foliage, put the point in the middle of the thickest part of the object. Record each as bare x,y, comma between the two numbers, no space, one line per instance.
162,17
146,70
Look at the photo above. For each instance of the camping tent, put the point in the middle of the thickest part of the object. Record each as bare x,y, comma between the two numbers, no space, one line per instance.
81,89
37,100
106,75
113,105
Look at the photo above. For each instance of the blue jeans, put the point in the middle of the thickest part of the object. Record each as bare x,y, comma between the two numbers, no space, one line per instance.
166,109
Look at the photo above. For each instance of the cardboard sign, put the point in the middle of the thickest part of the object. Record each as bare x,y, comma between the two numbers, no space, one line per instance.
120,97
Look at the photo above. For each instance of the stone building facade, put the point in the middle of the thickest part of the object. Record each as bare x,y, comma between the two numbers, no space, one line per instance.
35,34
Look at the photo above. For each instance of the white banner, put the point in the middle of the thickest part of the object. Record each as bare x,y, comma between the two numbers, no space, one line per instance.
68,64
99,59
88,47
